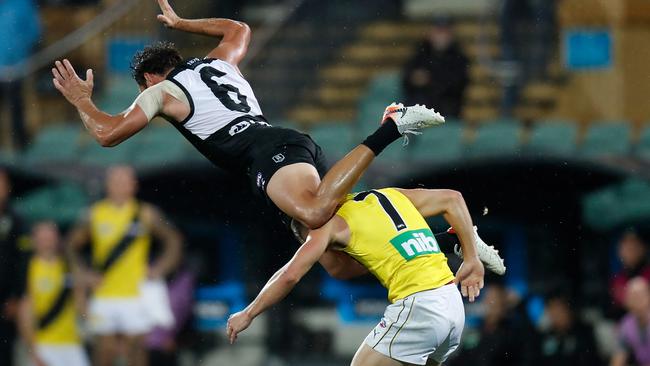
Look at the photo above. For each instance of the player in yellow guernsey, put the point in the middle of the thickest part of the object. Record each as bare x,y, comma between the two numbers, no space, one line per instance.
385,232
48,316
120,230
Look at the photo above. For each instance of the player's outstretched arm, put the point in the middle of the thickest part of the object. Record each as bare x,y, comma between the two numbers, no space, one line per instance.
235,35
171,240
108,130
450,203
282,282
27,328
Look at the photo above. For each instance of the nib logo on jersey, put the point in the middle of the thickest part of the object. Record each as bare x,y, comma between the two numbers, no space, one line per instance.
414,243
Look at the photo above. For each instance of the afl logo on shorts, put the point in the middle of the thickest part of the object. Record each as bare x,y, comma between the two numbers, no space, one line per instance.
278,158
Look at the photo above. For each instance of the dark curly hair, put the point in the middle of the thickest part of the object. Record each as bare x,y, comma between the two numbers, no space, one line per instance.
157,58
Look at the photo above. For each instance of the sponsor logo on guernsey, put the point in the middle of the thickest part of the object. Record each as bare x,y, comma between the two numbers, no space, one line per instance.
239,127
415,243
278,158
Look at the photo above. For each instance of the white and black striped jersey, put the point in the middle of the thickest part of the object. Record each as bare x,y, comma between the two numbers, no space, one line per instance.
218,94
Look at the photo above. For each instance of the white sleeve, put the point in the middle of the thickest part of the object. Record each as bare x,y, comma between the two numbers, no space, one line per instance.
151,99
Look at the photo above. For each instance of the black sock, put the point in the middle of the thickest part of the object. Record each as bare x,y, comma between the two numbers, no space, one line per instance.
384,136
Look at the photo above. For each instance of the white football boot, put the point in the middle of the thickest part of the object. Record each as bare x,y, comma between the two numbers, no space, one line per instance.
410,120
486,253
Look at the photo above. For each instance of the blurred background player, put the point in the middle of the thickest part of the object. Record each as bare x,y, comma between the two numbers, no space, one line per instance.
12,258
385,231
120,230
48,311
213,106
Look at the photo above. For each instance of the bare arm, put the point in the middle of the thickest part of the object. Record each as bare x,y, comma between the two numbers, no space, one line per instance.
341,266
235,36
283,281
78,237
108,130
451,205
171,240
27,328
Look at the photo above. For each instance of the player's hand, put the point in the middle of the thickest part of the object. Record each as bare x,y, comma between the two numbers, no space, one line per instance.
237,323
69,84
168,17
470,276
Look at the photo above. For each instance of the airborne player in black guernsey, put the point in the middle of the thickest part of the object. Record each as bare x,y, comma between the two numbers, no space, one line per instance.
214,107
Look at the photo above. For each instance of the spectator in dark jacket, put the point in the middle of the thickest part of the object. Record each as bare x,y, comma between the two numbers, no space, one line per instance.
568,341
504,336
436,75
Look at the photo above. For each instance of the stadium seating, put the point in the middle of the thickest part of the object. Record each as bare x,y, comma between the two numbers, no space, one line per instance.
643,146
335,138
442,144
62,203
553,137
160,145
57,143
500,137
95,154
606,139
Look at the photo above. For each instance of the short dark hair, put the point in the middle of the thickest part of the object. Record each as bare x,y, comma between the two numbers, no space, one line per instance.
157,58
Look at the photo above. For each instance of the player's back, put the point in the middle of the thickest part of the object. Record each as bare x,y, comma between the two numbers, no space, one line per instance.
217,92
390,237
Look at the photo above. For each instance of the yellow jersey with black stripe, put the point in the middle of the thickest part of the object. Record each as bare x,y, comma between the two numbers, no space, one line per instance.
49,287
112,227
390,238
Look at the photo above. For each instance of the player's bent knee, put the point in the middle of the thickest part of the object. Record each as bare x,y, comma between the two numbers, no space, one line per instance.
315,217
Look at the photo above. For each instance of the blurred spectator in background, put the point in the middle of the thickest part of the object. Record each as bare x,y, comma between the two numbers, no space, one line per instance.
527,34
120,230
48,317
436,75
10,261
163,343
567,341
633,254
19,32
634,329
504,336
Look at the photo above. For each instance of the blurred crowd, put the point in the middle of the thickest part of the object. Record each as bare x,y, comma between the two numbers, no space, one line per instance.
134,303
132,300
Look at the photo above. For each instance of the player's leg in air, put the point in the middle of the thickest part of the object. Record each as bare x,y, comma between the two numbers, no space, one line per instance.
285,165
299,192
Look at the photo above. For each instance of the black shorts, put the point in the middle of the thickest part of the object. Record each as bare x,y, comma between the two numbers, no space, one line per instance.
281,148
251,146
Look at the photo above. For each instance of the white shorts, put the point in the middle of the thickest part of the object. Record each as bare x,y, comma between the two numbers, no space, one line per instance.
62,355
422,326
126,316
